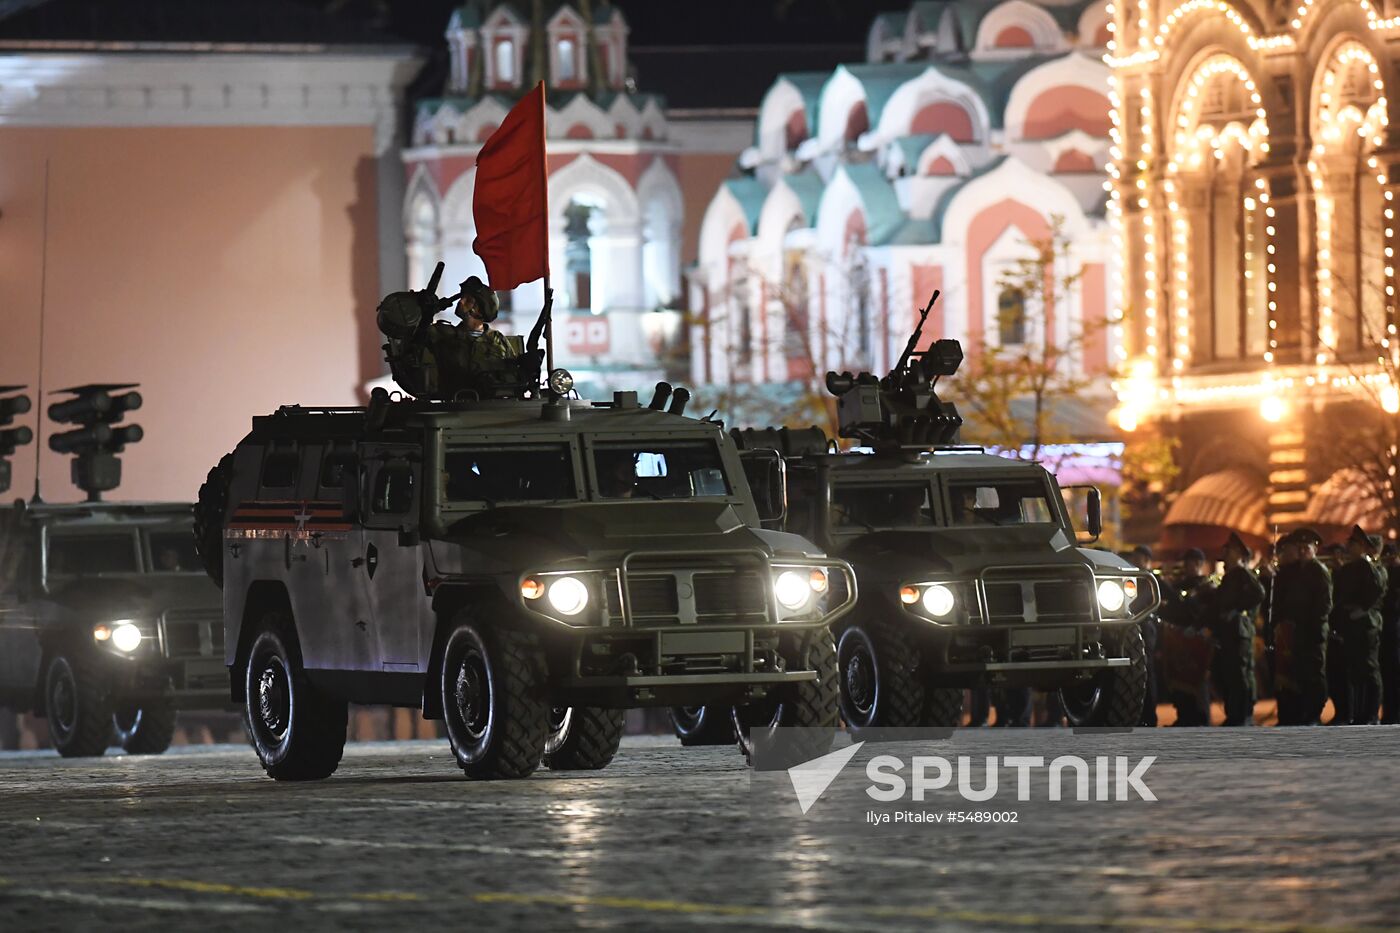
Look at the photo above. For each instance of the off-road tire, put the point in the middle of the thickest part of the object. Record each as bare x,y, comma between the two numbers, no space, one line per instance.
78,706
702,725
878,676
493,701
590,740
297,731
1117,693
209,511
943,707
147,729
813,707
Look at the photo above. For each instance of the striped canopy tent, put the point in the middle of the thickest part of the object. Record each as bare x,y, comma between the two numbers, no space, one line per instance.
1212,507
1344,500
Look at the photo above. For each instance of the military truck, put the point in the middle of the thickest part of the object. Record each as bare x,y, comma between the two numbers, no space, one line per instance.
108,624
969,569
519,564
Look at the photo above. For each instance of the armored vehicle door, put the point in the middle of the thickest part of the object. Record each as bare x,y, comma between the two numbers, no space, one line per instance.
19,641
392,561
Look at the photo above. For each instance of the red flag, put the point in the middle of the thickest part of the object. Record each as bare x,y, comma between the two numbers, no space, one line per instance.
510,202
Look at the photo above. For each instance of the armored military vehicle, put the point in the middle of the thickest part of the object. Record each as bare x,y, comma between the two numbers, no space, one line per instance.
970,574
108,624
519,564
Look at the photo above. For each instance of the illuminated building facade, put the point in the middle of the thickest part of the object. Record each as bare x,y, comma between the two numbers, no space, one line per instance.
1253,206
968,131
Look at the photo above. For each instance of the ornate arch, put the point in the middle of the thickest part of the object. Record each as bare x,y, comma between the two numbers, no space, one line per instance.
929,88
586,176
1347,121
1044,32
1218,131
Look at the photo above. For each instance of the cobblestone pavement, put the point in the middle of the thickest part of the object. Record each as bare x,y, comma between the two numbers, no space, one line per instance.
1254,830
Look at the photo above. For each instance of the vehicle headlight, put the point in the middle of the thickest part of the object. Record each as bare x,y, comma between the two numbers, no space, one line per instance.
126,637
938,600
792,589
1111,595
567,595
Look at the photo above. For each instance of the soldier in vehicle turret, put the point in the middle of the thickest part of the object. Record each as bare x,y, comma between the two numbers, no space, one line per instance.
446,360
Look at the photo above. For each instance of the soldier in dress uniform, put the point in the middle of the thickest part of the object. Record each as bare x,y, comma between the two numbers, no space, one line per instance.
1303,603
1390,637
1338,690
1188,609
1237,600
1360,585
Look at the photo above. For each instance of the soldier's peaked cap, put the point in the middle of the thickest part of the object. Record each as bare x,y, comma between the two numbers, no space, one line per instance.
1369,542
1306,536
1236,542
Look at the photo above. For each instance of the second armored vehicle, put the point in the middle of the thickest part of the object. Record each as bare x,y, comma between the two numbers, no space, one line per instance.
108,624
969,569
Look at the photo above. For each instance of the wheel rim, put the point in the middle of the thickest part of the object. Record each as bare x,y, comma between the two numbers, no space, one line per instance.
273,703
63,700
1080,701
471,693
861,683
561,718
687,718
127,720
764,715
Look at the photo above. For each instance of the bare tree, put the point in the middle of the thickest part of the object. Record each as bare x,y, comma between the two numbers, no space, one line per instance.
1026,364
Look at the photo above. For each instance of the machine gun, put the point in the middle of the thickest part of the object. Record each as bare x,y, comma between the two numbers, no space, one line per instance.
902,409
404,317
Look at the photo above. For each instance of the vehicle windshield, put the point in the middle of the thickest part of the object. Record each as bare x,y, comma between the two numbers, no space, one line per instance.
999,502
523,473
173,552
886,505
79,555
665,470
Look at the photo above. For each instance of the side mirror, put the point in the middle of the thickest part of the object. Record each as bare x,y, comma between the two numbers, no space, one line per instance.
1093,513
767,475
1095,510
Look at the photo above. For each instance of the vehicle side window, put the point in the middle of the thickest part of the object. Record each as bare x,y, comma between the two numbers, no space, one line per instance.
280,469
803,502
335,467
999,502
883,506
73,555
393,490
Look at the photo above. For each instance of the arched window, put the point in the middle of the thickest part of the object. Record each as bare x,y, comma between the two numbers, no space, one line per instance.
568,60
505,61
1011,317
579,221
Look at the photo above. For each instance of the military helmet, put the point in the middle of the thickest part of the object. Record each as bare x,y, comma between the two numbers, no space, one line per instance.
399,315
487,302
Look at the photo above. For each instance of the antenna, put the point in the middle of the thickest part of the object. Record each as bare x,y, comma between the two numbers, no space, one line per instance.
43,300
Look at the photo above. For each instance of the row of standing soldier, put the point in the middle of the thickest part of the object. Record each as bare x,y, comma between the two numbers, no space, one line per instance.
1326,630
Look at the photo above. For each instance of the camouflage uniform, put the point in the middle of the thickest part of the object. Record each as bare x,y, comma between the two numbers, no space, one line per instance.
1360,587
1303,591
1237,599
458,360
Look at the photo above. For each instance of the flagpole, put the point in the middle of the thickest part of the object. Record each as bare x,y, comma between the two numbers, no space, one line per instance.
544,187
